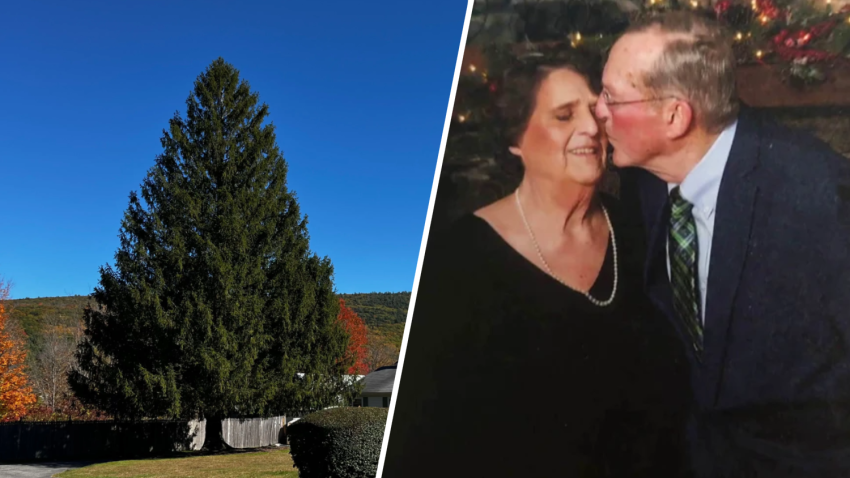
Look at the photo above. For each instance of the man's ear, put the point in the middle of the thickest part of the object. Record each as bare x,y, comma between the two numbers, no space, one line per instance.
679,117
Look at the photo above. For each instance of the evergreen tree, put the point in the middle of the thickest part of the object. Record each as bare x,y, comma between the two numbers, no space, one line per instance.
216,307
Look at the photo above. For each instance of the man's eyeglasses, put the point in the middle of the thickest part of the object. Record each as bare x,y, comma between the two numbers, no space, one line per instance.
608,102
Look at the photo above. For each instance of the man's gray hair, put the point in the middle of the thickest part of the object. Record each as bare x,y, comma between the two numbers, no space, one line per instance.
697,62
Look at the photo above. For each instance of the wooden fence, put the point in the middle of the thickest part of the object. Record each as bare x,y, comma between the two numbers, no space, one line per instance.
252,432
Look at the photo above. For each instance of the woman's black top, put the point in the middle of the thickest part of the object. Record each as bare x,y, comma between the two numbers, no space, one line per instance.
507,372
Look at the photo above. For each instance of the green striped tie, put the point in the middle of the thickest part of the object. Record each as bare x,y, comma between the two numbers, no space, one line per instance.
683,267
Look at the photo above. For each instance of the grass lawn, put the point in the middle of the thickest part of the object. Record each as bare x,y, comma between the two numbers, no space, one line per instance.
277,463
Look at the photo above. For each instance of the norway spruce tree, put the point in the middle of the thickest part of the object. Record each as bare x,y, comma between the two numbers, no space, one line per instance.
215,307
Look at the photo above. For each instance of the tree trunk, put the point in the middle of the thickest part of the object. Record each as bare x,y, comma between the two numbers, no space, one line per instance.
214,437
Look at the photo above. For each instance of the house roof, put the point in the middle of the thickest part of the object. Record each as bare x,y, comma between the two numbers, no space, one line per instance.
380,381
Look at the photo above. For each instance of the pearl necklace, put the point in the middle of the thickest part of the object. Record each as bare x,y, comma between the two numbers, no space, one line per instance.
595,301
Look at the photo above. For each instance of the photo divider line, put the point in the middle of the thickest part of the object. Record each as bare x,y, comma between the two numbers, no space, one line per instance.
434,187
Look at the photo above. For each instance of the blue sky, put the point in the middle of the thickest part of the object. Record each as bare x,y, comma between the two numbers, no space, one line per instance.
357,91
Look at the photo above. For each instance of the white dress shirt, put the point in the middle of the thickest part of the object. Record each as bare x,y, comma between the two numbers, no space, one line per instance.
700,188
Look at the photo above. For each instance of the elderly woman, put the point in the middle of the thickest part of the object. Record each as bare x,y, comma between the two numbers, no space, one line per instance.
532,349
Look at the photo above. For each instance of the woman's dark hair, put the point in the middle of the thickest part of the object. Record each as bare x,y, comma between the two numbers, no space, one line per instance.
521,83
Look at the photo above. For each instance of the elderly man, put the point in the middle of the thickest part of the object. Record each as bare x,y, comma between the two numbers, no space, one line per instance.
748,228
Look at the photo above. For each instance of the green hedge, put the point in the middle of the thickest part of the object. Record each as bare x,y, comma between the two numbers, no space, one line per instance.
338,442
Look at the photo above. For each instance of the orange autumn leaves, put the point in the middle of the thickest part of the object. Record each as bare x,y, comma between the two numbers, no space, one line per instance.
15,393
356,329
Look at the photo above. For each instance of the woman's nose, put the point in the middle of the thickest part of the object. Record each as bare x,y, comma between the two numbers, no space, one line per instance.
589,124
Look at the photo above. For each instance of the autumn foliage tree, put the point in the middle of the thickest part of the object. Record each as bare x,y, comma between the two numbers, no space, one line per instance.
381,351
53,359
355,327
15,393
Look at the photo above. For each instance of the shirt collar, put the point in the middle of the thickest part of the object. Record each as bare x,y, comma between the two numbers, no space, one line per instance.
702,185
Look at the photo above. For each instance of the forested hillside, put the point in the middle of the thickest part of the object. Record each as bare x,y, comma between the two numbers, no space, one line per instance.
31,314
383,312
379,308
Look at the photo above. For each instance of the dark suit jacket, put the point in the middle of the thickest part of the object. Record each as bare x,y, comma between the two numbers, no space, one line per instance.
772,389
